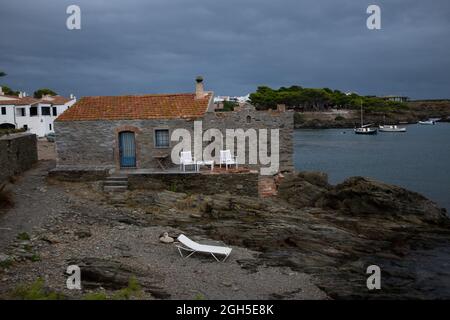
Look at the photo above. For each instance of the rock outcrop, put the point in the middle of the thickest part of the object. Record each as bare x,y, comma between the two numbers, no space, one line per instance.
362,196
330,232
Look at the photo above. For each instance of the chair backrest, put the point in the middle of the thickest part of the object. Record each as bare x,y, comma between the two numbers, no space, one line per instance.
225,155
185,156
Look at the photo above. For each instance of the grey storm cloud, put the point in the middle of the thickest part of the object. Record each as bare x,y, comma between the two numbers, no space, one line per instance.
161,45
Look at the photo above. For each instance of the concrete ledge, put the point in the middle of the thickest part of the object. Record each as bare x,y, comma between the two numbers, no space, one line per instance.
245,184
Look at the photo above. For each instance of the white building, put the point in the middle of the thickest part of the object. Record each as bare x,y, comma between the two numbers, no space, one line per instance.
239,99
35,115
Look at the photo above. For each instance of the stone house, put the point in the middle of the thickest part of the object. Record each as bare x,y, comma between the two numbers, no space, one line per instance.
135,132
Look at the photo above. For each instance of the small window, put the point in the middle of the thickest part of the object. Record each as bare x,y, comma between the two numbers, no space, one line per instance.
50,127
162,138
20,112
3,110
25,126
249,119
33,111
45,111
55,112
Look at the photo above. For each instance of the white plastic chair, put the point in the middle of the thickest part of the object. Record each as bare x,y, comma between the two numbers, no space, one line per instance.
193,247
186,159
227,159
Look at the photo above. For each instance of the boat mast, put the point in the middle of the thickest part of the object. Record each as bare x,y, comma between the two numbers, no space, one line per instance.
362,123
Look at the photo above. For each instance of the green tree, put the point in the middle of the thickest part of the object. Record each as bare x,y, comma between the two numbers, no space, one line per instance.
9,92
44,91
317,99
229,105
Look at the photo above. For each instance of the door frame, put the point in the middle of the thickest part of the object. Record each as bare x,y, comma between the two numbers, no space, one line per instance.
137,132
130,145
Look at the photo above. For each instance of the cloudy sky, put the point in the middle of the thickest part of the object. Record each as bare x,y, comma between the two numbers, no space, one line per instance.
155,46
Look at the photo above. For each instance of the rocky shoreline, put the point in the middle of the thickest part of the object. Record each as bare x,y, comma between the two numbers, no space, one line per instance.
313,241
345,119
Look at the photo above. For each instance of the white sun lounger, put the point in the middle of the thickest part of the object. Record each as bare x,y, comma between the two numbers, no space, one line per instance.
193,247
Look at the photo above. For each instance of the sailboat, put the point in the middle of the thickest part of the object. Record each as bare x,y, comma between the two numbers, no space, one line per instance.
390,128
428,122
365,129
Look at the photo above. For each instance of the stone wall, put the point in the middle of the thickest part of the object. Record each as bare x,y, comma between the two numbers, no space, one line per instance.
244,184
78,174
249,118
18,153
95,143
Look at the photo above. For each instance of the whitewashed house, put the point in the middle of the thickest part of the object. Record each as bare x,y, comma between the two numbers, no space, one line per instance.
35,115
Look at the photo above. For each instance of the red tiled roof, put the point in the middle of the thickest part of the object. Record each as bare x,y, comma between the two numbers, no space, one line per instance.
26,101
55,100
153,106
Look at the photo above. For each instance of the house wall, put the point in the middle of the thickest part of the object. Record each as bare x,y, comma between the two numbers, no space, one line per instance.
9,116
18,152
95,143
40,125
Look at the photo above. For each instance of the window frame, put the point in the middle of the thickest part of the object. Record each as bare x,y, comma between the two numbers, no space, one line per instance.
21,112
37,111
3,111
155,138
49,111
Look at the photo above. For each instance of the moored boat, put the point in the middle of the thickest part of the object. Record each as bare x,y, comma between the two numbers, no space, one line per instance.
428,122
391,128
365,129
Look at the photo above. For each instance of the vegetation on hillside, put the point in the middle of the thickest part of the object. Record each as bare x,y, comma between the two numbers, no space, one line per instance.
317,99
44,91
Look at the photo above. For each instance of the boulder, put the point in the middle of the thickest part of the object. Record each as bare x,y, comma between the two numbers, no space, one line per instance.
302,189
363,196
165,238
115,275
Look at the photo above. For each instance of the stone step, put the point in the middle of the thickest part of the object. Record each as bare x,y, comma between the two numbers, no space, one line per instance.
115,183
115,188
117,178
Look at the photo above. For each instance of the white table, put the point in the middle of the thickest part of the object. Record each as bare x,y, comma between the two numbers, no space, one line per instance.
205,163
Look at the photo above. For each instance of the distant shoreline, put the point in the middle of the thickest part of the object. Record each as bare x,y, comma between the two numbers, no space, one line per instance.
347,119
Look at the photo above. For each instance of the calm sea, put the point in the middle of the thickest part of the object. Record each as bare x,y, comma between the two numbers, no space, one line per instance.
418,160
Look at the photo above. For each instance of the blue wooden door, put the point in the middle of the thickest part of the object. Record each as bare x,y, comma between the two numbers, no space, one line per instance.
127,149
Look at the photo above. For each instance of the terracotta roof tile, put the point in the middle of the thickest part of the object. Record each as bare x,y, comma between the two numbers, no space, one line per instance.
154,106
55,100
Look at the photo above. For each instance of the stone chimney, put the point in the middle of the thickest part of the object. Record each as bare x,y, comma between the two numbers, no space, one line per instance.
199,90
72,96
21,94
1,92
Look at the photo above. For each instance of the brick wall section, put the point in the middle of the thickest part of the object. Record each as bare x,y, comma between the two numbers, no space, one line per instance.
95,143
245,184
18,153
